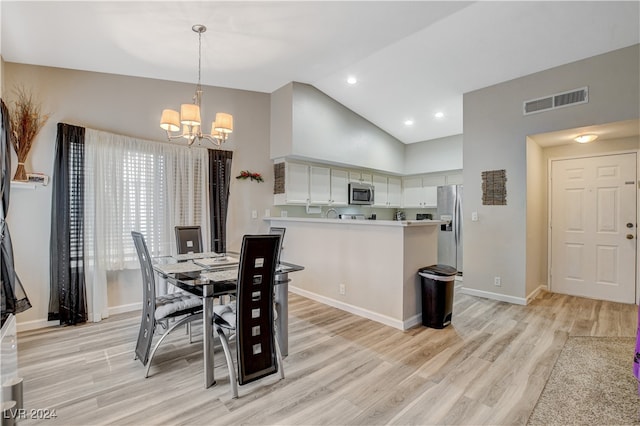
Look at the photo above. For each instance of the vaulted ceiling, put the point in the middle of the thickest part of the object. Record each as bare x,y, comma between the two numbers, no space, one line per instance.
411,59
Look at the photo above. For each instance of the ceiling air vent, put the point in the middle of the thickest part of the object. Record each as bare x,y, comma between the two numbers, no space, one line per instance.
558,100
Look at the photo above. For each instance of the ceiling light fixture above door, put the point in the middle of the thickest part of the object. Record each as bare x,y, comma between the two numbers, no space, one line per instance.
586,138
189,117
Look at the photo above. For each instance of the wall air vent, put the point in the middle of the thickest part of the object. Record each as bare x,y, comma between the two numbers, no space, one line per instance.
558,100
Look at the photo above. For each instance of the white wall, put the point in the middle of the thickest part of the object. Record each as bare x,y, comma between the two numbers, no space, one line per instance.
282,122
536,217
326,131
433,156
495,133
128,106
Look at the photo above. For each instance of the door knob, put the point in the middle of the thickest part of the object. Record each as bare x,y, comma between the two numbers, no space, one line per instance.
629,225
629,236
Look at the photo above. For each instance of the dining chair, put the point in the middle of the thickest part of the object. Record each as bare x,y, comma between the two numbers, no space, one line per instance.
156,310
188,239
278,231
250,319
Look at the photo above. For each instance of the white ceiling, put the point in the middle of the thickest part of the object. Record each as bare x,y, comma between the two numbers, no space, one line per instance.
412,59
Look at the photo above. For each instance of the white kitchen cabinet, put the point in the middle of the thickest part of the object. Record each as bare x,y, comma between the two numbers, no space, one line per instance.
296,186
319,185
360,177
339,187
421,191
412,194
388,191
394,192
328,186
380,191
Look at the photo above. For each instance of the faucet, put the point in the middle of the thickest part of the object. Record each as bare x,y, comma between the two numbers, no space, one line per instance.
332,211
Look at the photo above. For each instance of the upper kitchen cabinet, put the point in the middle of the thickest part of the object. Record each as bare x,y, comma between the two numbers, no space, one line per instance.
306,123
291,183
328,186
339,187
319,185
388,191
360,177
421,191
309,184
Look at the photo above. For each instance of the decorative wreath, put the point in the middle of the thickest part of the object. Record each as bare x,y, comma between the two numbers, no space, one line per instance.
246,174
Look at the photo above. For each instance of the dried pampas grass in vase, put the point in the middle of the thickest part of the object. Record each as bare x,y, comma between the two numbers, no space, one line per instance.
26,121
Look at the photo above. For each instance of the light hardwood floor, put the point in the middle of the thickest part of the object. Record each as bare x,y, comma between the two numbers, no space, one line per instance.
488,367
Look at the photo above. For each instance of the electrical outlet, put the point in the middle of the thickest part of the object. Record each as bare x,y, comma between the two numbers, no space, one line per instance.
343,289
497,281
474,216
267,213
254,214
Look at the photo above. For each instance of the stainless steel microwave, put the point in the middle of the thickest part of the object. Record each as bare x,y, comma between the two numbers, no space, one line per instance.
361,193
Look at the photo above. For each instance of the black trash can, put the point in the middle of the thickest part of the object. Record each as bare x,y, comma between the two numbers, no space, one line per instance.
437,294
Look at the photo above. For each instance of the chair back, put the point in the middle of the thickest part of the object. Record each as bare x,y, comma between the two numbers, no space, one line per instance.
278,231
188,239
255,334
143,346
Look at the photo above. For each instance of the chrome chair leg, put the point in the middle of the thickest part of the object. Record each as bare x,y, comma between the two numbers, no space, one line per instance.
279,357
231,366
177,324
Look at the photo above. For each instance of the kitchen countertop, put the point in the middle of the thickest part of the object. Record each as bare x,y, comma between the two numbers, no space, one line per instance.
403,223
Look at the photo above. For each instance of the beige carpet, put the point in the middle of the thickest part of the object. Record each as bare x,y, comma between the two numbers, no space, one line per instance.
591,384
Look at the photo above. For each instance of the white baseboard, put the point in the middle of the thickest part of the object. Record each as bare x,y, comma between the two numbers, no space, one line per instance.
383,319
114,310
43,323
535,292
413,321
36,324
494,296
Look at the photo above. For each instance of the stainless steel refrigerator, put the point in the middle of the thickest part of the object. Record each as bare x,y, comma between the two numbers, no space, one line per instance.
450,235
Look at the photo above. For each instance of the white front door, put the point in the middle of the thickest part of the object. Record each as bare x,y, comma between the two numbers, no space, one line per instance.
593,227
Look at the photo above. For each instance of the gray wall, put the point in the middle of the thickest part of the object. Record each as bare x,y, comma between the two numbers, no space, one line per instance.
495,136
128,106
434,155
325,130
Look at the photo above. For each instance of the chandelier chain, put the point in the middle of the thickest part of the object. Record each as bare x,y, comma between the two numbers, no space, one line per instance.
199,55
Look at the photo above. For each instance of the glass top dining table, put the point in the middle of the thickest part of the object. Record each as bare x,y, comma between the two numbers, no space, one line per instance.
210,275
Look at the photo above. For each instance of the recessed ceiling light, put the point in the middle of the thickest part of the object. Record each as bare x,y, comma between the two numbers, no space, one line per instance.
408,122
352,80
439,114
586,138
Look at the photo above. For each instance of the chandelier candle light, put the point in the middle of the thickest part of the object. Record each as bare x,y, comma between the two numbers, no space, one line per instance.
189,117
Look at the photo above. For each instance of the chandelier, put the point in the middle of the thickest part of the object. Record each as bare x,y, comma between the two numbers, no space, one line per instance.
189,117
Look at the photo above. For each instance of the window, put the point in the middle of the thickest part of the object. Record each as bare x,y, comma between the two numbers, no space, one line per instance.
150,187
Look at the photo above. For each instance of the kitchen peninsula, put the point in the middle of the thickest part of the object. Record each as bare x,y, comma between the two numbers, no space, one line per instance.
366,267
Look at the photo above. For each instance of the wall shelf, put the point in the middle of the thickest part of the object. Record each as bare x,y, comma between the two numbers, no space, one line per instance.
22,185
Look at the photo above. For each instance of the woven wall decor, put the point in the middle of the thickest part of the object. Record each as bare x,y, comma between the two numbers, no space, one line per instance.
494,188
278,178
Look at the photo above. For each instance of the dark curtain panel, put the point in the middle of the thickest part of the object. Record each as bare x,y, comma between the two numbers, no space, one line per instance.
219,180
67,301
14,299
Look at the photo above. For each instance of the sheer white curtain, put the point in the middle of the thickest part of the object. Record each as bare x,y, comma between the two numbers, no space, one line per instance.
134,184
